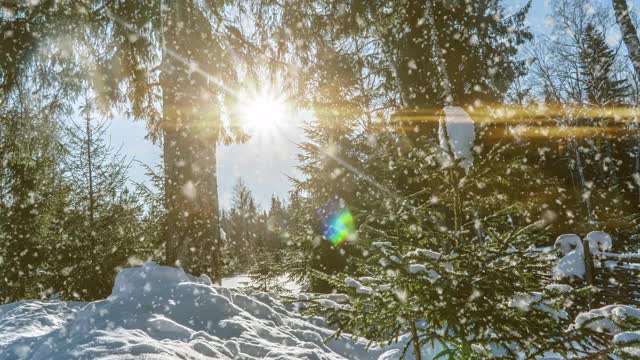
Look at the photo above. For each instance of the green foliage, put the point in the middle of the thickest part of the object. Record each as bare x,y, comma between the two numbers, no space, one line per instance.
67,223
451,265
597,62
621,320
101,229
33,194
242,227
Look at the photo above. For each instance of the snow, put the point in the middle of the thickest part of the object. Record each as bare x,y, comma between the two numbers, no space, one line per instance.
542,249
365,290
567,243
562,288
330,304
611,319
626,337
622,256
627,343
599,241
360,289
381,244
237,281
571,264
459,130
625,312
424,252
351,282
416,268
526,302
162,313
419,268
607,318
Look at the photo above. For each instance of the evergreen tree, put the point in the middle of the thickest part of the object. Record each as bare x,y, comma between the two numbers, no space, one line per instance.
242,230
452,268
33,196
270,226
173,66
326,179
597,61
274,224
576,66
152,196
102,225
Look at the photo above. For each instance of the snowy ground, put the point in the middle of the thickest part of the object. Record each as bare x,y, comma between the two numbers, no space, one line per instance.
157,312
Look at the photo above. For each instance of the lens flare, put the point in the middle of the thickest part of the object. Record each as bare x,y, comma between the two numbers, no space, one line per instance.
339,226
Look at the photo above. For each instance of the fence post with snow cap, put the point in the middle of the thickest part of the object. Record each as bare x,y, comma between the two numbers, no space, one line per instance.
613,277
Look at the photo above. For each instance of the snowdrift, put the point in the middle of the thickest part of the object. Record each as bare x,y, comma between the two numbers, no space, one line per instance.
158,312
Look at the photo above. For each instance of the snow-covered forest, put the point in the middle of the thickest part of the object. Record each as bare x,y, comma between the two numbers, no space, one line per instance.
466,187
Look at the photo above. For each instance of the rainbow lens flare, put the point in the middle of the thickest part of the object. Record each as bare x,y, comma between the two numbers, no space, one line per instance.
339,226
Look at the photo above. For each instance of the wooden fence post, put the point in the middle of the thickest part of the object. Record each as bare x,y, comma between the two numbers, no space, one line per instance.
588,269
588,262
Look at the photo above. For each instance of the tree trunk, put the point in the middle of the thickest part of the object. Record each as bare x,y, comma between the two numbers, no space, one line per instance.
628,31
190,130
90,171
417,350
438,54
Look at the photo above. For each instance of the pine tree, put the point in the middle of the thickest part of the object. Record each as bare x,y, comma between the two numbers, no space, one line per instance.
275,225
242,230
326,180
102,226
596,62
453,267
151,194
33,196
173,66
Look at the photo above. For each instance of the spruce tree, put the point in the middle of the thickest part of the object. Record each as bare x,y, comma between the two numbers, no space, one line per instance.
242,230
173,65
33,196
266,273
597,63
103,228
452,268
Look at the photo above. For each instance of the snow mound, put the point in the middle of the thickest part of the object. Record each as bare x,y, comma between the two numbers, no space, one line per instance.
599,241
158,312
571,264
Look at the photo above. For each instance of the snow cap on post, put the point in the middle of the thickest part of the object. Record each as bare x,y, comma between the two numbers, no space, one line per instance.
599,241
568,242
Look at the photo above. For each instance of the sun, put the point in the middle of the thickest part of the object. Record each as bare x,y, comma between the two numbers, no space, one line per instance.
263,112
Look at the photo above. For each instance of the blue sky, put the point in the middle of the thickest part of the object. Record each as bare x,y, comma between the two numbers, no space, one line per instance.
265,161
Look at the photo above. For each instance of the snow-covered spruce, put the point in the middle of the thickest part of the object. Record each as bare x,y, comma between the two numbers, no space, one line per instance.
620,321
162,313
436,299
